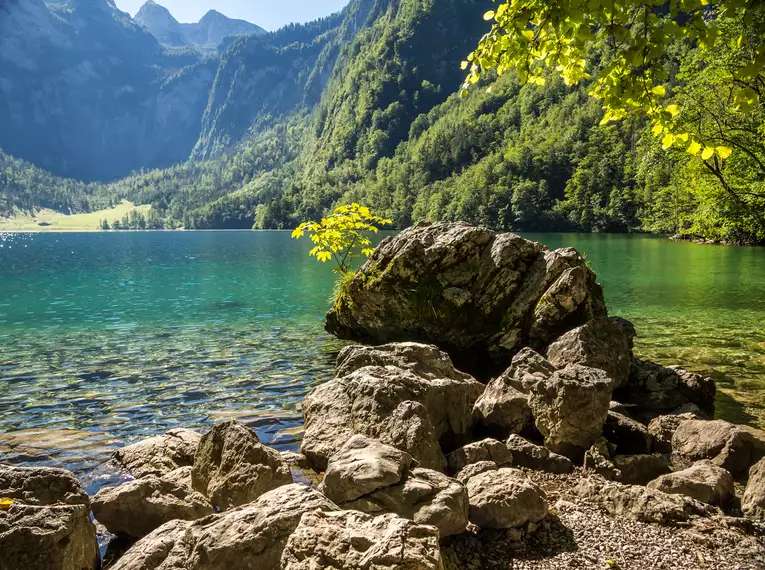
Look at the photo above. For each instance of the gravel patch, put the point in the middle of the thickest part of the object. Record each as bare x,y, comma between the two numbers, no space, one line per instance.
577,535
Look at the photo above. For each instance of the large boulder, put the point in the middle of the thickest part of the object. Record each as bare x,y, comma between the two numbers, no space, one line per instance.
505,498
537,457
640,503
704,481
504,404
425,497
753,501
570,408
662,429
136,508
361,466
654,389
368,401
232,468
159,455
47,524
484,450
478,295
256,533
629,436
604,343
422,359
734,448
340,540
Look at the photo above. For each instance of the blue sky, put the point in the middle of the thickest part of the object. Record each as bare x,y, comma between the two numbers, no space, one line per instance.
270,14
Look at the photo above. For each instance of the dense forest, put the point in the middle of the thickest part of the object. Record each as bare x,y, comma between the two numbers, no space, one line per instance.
389,129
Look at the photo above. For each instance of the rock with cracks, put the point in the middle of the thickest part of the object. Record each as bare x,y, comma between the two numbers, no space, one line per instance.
654,389
425,497
570,408
369,402
505,498
476,294
159,455
136,508
641,503
424,360
753,501
484,450
537,457
604,343
361,466
704,481
47,525
232,467
344,540
732,447
254,534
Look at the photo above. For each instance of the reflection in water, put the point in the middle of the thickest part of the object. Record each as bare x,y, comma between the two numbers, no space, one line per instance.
106,338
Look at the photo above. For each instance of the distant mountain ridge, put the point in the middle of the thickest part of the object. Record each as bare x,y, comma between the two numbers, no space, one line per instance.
208,32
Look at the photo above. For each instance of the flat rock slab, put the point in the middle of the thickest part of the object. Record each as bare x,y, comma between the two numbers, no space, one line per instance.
703,481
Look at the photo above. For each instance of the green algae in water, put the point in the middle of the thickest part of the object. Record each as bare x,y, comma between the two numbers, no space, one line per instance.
108,338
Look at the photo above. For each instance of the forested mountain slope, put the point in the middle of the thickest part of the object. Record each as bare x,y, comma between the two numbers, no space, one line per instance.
363,106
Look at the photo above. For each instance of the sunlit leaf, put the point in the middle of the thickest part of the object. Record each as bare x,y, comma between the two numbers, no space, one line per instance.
724,151
707,153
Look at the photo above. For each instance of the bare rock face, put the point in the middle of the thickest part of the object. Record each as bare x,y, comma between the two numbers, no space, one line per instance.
570,408
629,436
537,457
505,498
641,503
704,481
369,402
662,429
753,501
485,450
361,466
256,533
731,447
232,468
425,497
48,524
604,343
655,389
136,508
470,471
504,404
478,295
350,539
424,360
159,455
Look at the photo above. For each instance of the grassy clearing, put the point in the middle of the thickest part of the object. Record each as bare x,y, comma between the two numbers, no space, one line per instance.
49,220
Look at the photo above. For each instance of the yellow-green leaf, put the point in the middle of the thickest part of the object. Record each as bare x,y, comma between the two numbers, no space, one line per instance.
489,15
657,129
659,90
694,148
528,34
673,110
707,153
724,151
667,141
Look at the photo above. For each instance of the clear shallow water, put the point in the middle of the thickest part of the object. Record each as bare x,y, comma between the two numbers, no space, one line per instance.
106,338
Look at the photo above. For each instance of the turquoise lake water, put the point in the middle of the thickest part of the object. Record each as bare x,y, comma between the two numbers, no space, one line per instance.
106,338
